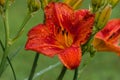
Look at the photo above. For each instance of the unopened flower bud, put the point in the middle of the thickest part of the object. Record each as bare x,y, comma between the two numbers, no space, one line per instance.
113,2
73,3
44,3
103,16
68,1
33,5
96,4
2,2
77,4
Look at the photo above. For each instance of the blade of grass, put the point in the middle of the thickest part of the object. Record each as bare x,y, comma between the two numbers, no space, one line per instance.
38,74
46,69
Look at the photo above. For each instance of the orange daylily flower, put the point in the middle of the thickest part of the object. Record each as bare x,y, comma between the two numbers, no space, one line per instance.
108,39
62,33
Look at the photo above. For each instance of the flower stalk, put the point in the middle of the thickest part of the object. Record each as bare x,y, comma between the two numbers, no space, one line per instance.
34,67
25,21
6,28
12,68
33,6
64,69
75,74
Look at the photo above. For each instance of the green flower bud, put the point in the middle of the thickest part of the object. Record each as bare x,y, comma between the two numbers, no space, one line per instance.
44,3
33,5
96,4
113,2
103,16
75,4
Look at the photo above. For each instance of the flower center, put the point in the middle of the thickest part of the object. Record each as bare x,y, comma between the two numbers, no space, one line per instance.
64,38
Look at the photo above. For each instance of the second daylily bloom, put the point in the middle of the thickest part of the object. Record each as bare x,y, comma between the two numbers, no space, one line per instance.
108,39
62,34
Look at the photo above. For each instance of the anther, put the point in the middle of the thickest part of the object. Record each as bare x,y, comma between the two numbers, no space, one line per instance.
63,32
66,33
59,29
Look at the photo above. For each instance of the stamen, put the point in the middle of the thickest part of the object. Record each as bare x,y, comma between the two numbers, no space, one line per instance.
63,37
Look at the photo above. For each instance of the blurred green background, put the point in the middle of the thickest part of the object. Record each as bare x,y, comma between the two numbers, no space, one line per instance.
104,66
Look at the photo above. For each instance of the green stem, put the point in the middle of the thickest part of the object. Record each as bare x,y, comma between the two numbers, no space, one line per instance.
25,21
8,60
75,74
11,68
64,69
87,45
3,62
6,26
34,66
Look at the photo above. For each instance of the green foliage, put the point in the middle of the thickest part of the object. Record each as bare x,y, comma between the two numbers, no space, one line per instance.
105,66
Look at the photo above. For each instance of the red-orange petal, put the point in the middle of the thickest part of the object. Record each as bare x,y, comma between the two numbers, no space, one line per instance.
60,14
83,25
79,23
108,39
50,13
71,57
41,39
